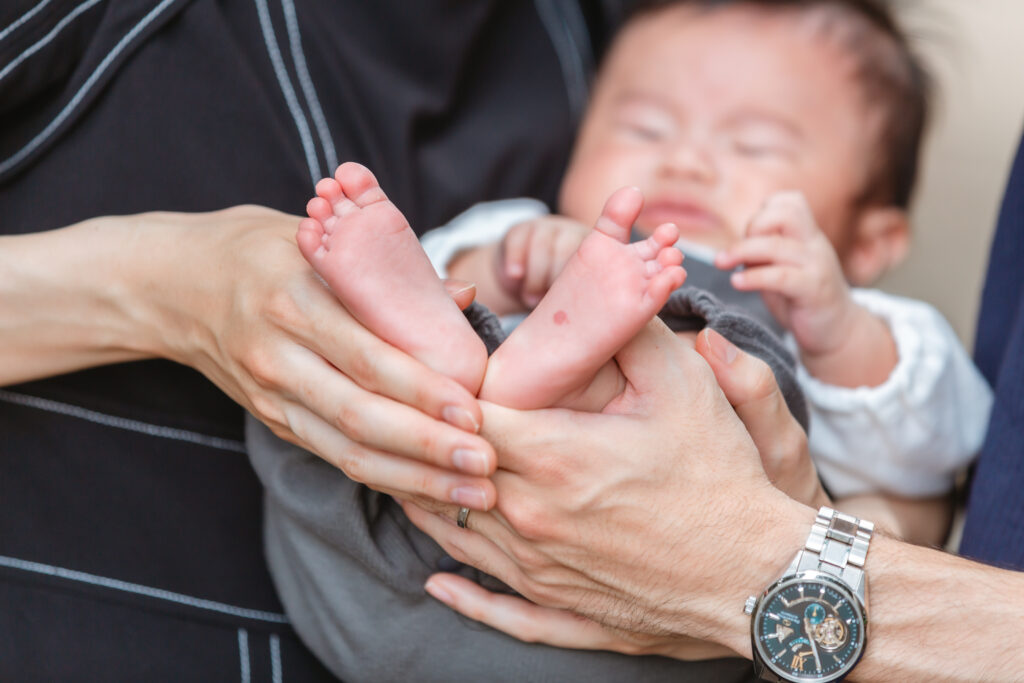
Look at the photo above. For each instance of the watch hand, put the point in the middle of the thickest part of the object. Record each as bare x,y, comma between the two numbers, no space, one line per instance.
810,639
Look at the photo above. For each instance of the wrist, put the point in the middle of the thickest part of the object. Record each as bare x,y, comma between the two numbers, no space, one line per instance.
66,299
773,532
863,355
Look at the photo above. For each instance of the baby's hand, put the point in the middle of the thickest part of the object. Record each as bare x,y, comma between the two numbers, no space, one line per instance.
533,253
788,258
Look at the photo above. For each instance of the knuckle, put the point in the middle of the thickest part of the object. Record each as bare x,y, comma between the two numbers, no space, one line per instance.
261,366
547,594
268,412
280,308
422,482
525,557
432,444
352,465
351,422
527,519
794,441
763,384
361,368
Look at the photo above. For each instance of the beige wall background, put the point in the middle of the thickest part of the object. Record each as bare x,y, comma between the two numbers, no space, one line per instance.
975,50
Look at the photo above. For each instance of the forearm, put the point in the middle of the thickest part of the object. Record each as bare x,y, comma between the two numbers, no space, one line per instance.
933,616
67,300
939,617
865,356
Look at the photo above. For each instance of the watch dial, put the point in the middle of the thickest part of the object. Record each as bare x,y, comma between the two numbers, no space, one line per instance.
808,629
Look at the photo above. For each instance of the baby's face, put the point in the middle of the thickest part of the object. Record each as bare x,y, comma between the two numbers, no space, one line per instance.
709,113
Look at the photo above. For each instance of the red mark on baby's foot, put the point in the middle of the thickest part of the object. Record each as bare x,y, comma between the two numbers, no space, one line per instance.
561,318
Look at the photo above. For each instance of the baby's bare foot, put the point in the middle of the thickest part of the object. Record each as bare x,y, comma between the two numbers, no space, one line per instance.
362,246
605,294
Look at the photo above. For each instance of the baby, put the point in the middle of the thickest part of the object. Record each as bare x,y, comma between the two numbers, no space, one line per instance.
783,138
712,109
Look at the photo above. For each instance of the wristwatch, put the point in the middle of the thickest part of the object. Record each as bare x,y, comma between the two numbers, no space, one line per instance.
812,623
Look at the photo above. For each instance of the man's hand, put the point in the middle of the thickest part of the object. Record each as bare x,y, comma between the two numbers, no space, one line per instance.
643,518
750,387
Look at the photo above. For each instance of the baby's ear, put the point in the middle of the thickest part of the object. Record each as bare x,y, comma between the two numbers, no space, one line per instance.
880,242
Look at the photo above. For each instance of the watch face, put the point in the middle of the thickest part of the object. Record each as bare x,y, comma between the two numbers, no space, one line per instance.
809,627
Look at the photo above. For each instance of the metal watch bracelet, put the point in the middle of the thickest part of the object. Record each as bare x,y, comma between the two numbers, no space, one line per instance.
838,545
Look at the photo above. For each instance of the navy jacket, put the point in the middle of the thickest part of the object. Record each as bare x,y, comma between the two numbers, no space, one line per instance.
994,532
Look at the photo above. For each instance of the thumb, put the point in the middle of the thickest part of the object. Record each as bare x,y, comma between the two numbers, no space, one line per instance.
461,291
749,385
744,379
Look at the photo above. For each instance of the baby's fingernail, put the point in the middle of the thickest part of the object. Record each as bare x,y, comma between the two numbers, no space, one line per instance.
434,588
470,461
531,300
721,347
461,418
514,270
737,279
469,497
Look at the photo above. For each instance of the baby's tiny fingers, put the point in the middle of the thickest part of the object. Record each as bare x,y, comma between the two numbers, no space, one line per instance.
762,250
785,280
514,249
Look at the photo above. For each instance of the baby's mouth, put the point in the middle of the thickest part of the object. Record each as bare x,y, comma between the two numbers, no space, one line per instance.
692,219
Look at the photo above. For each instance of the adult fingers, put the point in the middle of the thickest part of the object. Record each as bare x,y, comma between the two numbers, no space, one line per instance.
369,419
466,546
376,366
461,292
386,471
523,619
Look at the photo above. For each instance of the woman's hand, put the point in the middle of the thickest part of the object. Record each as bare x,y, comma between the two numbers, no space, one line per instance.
625,517
253,316
229,294
750,387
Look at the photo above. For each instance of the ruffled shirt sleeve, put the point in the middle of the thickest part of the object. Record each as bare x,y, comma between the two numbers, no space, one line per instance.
910,435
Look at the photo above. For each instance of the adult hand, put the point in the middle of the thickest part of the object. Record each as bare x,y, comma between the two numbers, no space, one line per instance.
238,303
750,387
644,518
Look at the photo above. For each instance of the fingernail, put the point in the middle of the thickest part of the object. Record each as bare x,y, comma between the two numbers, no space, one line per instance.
721,347
737,279
514,270
531,300
470,461
438,592
464,289
470,497
461,418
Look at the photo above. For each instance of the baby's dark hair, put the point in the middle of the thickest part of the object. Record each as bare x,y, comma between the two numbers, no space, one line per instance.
891,75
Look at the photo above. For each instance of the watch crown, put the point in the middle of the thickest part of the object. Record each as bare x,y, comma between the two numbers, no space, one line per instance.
751,603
